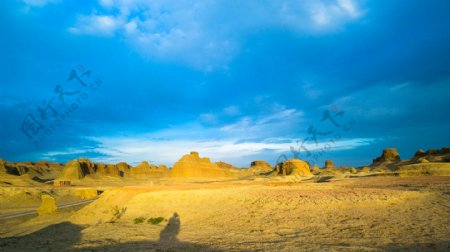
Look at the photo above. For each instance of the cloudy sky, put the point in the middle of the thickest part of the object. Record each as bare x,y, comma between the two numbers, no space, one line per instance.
123,80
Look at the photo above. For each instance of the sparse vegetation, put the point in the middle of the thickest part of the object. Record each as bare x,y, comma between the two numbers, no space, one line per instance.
117,213
139,220
155,221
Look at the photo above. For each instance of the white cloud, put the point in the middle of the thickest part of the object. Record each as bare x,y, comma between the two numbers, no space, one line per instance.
349,7
207,34
137,148
333,13
99,25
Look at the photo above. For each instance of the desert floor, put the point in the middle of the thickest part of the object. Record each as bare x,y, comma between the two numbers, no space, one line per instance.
352,214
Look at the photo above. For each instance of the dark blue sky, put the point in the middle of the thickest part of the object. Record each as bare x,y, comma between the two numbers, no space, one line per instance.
235,80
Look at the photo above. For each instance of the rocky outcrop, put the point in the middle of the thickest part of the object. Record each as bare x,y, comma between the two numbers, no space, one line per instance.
294,167
389,154
192,165
328,164
260,167
48,205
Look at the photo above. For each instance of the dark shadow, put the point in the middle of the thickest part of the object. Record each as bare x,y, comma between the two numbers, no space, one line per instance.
438,246
37,179
324,179
57,237
171,230
67,237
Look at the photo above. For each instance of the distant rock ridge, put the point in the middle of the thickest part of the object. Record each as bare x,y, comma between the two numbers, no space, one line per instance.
80,168
39,170
192,165
144,169
433,155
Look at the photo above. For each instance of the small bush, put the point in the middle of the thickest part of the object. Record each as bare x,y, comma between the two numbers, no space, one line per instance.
117,213
139,220
155,221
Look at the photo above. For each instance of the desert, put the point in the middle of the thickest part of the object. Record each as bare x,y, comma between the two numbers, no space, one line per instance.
224,125
198,205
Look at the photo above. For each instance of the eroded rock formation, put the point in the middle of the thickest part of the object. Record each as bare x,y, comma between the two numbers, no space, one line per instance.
36,170
145,170
295,167
260,167
48,205
389,154
192,165
328,164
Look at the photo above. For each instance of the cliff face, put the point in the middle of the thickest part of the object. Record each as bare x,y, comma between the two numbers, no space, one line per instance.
78,169
191,165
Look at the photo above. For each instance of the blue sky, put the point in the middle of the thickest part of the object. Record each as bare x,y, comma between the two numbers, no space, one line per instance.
235,80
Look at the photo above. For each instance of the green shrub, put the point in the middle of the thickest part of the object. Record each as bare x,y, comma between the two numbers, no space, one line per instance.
155,221
139,220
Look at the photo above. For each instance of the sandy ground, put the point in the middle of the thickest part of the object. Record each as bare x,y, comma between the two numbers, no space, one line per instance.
353,214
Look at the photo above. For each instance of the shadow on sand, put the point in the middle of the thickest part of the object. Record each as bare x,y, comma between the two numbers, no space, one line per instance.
63,237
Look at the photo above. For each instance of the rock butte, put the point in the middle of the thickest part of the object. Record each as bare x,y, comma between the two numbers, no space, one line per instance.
192,165
389,154
328,164
295,167
259,167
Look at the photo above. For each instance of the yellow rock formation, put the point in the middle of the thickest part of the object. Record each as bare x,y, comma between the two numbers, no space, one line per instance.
259,167
191,165
295,167
48,205
147,170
